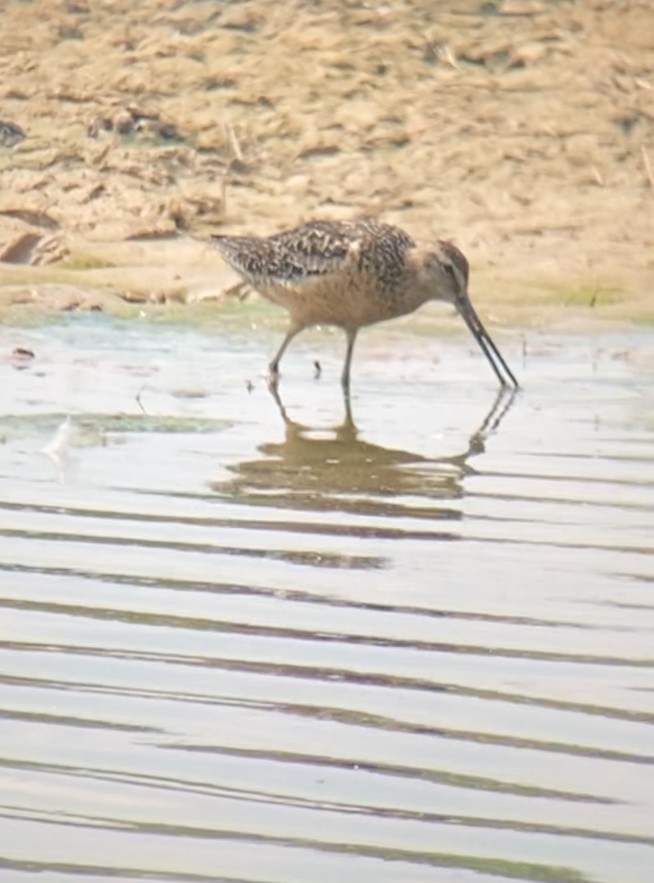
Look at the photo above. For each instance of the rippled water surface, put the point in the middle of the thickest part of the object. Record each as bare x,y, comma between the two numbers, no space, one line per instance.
250,641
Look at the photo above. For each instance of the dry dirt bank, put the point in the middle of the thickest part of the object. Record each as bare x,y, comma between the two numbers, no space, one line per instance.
522,129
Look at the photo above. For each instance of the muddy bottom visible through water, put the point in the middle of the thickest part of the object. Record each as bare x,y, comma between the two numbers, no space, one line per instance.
243,640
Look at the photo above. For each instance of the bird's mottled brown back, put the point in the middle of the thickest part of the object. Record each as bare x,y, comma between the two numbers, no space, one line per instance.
318,248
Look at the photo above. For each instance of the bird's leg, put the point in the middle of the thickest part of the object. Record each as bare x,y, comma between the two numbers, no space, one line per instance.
348,421
345,376
273,368
280,405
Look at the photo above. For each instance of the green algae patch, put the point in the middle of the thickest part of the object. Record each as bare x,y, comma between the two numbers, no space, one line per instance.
81,262
87,430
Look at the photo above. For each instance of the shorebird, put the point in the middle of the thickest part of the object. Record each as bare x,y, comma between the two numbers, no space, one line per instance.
351,274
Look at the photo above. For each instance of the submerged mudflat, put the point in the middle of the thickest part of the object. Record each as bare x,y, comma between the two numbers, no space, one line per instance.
260,641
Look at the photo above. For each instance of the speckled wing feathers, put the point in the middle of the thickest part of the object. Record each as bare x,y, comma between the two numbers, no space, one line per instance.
316,249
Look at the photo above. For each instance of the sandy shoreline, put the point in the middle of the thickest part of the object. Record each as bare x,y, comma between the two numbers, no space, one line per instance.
522,130
182,280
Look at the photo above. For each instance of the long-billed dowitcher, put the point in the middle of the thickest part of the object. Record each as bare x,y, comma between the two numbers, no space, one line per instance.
351,274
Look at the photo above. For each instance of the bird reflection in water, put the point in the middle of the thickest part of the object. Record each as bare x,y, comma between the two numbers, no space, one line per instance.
334,470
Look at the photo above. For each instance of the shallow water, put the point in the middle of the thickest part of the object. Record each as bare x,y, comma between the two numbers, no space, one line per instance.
245,643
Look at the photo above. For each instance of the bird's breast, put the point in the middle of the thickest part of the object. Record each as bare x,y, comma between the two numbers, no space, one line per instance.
349,301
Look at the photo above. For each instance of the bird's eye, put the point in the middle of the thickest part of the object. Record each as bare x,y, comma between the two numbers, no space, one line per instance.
449,269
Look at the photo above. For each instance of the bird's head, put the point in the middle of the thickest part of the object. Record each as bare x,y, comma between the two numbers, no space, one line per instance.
443,275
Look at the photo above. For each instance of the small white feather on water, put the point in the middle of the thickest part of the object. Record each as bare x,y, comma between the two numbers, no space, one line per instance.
58,449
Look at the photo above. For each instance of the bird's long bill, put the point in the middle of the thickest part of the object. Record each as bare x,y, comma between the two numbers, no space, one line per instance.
486,344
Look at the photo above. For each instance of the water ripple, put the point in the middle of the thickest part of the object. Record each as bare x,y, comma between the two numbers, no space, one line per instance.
416,646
